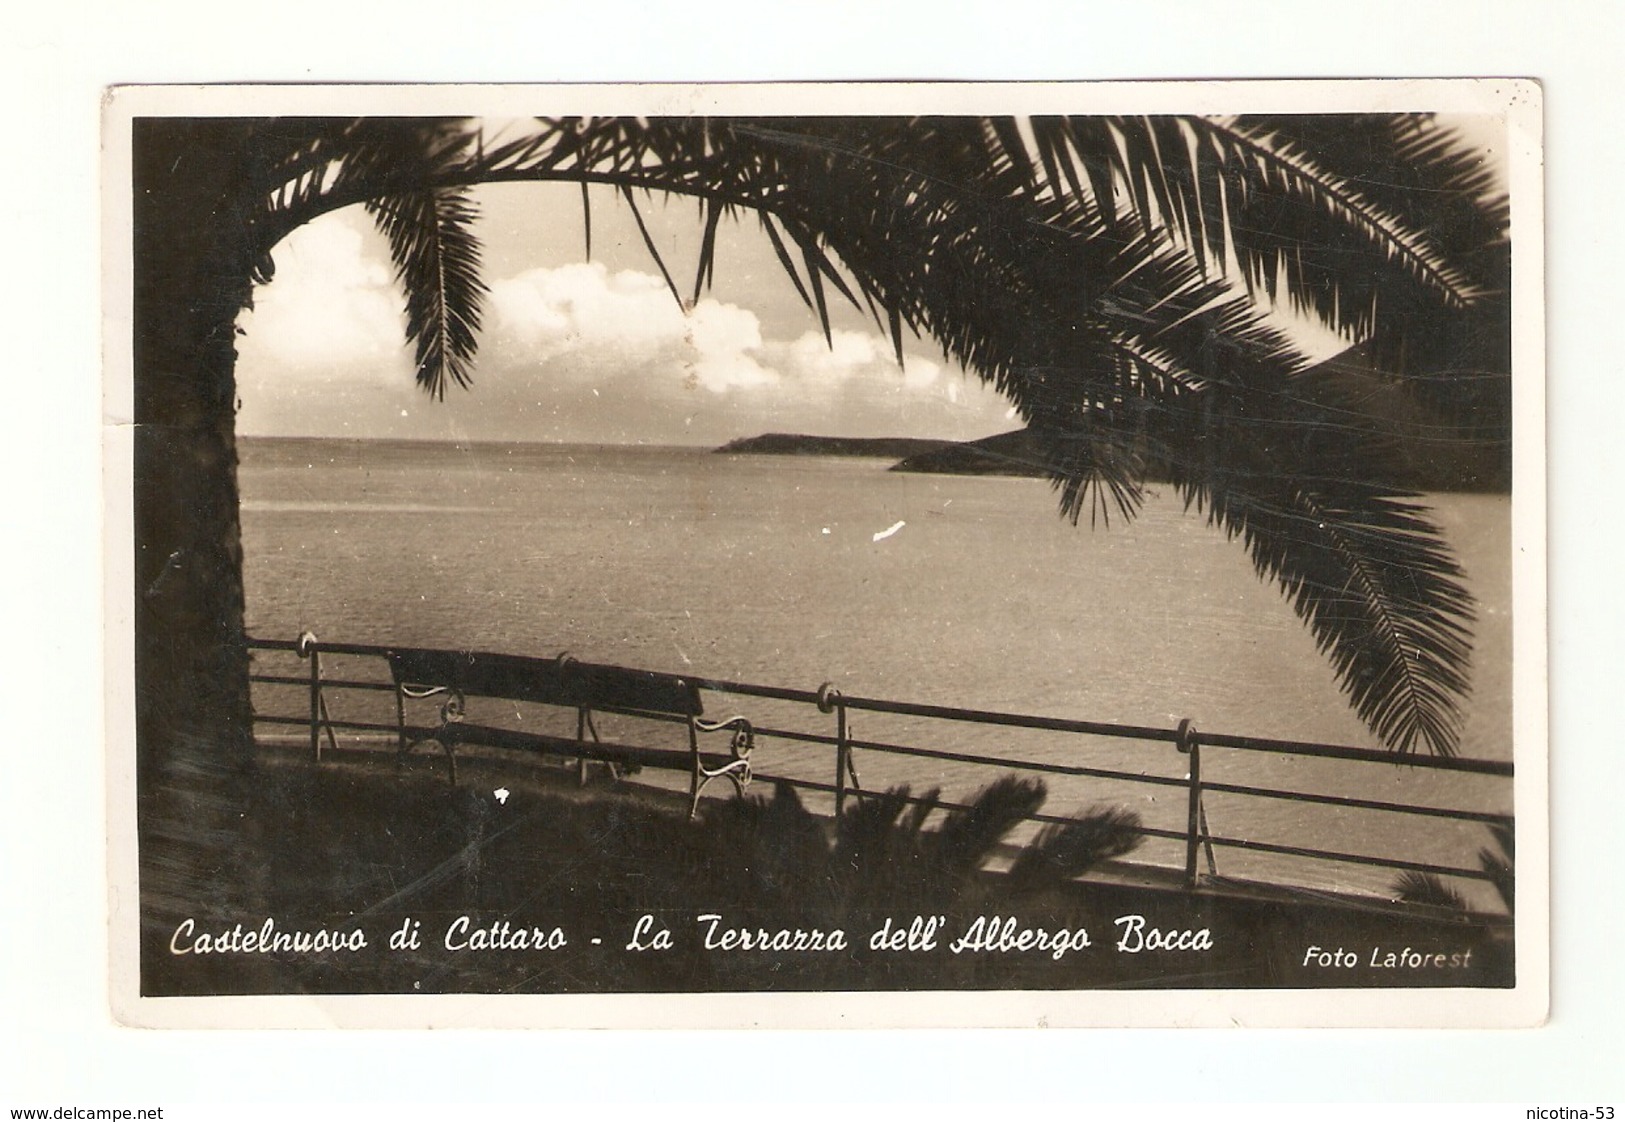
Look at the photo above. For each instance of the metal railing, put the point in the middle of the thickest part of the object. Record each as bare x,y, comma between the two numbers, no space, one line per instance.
1184,738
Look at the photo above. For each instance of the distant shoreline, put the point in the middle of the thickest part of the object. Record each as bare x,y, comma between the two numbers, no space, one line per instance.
801,444
1016,453
1418,464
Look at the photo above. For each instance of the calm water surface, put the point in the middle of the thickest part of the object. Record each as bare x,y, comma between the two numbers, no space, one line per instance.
767,569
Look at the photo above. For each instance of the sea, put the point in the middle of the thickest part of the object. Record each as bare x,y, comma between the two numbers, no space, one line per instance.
962,591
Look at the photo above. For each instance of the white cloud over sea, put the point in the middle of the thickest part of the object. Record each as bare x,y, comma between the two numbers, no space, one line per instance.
570,351
334,312
582,321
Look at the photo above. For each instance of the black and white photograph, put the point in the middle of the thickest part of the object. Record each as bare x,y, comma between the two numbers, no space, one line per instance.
821,555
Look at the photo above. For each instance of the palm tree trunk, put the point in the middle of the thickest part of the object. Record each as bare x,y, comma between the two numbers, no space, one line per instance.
193,725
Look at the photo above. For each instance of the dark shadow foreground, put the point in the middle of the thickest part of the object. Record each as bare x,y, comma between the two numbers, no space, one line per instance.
354,847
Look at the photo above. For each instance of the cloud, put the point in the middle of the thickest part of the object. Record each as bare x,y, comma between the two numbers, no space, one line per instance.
849,356
570,352
611,324
332,310
584,310
727,342
581,321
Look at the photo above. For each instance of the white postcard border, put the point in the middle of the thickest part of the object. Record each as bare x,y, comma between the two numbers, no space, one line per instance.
1522,1006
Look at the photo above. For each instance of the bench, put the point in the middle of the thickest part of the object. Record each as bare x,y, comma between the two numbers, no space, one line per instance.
457,676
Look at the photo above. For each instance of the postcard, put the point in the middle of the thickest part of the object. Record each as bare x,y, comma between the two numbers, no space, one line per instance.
869,555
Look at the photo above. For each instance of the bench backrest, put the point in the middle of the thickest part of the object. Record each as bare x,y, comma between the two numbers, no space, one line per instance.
547,681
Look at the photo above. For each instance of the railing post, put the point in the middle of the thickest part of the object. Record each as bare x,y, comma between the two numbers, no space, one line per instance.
1190,746
843,760
829,699
581,738
308,649
400,722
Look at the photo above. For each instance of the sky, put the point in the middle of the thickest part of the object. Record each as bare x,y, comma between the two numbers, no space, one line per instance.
597,350
589,351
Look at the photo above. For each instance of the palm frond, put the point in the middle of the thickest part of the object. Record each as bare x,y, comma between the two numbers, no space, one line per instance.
868,831
1363,567
312,167
649,244
784,259
913,819
1103,342
437,261
1083,267
1430,889
771,848
1064,851
967,838
586,224
1455,359
1415,166
704,273
1099,472
1291,200
1356,557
